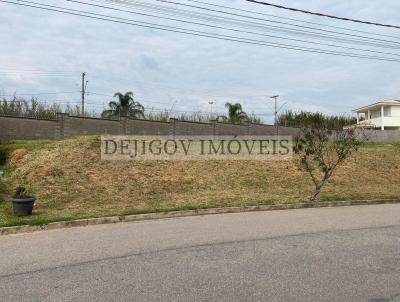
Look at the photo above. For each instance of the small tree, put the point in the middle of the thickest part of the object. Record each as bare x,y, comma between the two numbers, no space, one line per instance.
321,151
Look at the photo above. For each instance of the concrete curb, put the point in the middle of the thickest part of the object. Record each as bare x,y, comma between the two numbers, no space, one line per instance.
186,213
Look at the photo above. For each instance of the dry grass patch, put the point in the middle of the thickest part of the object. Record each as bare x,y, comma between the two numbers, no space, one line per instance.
70,181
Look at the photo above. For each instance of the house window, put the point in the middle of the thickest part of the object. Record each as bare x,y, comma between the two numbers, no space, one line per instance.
387,111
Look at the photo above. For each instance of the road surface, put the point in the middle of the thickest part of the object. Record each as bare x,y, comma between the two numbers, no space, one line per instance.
329,254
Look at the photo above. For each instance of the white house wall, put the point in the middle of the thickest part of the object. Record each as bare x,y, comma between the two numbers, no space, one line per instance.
396,111
394,119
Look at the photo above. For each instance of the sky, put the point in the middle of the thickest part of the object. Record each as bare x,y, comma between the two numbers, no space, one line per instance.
46,52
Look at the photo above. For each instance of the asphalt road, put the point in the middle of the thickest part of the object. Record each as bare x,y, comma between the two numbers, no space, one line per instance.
330,254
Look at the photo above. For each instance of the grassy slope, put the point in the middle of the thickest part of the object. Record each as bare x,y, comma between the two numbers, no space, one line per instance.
71,182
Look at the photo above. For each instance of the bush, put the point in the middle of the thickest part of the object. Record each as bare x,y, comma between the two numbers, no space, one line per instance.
314,119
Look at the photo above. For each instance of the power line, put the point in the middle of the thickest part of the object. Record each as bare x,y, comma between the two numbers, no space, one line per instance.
168,104
164,87
244,16
140,99
192,32
34,70
287,30
291,19
155,109
36,75
148,108
313,34
41,93
235,30
323,15
151,109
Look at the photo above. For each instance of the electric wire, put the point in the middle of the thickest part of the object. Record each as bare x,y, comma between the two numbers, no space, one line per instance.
235,30
190,32
324,15
254,25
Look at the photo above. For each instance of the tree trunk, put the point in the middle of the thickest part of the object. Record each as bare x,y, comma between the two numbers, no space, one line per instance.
317,190
318,187
314,194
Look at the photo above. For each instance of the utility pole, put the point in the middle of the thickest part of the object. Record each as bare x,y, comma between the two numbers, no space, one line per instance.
211,105
172,107
275,97
83,93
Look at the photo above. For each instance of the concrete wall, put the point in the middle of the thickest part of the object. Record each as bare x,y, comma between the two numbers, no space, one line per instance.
230,129
258,129
17,128
191,128
74,126
289,131
27,128
144,127
383,137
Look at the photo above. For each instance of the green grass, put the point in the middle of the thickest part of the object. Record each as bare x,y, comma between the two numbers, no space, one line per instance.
5,151
71,182
7,148
39,219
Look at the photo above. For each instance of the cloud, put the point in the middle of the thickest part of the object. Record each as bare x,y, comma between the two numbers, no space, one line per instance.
162,67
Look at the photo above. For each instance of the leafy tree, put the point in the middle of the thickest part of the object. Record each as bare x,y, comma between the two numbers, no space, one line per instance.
236,115
125,106
321,150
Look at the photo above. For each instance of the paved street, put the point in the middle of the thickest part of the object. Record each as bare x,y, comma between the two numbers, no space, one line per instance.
330,254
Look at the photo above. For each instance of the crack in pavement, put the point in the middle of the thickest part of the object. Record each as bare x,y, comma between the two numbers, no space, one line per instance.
195,246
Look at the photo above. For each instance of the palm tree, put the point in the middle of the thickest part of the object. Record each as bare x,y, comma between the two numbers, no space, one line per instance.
236,113
125,106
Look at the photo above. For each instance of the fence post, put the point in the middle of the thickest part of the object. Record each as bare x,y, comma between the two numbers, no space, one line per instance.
62,128
214,126
123,126
172,127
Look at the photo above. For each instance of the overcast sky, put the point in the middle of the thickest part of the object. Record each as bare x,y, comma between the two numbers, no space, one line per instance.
164,68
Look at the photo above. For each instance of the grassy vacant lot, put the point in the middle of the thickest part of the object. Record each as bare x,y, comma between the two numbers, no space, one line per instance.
71,182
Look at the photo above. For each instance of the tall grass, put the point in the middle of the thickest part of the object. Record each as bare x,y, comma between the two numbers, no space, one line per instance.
17,106
20,107
162,116
33,108
253,119
303,118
